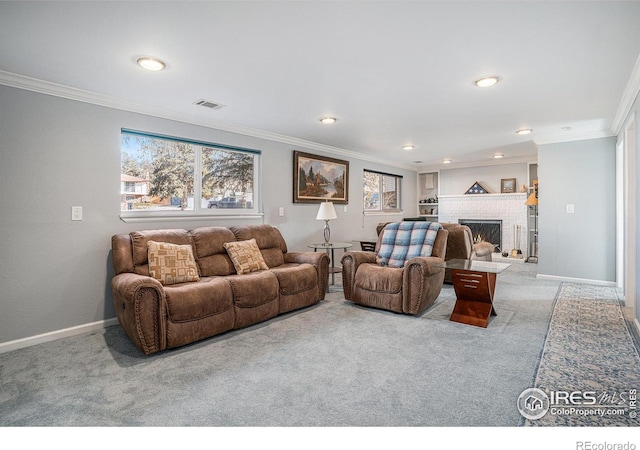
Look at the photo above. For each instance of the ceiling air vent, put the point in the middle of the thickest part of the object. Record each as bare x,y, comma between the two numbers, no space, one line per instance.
208,104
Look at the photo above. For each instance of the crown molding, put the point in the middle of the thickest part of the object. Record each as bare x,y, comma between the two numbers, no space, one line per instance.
558,138
628,99
70,93
524,159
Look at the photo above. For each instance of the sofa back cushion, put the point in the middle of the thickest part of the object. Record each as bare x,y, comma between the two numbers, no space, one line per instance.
140,240
211,256
269,240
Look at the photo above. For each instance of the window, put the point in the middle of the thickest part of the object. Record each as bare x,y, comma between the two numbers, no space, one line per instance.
168,176
381,192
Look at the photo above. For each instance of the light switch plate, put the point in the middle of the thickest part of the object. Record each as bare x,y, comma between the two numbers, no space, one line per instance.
76,213
570,208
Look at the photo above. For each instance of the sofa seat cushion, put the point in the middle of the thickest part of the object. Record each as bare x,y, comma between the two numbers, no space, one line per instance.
374,278
255,297
294,278
192,301
378,287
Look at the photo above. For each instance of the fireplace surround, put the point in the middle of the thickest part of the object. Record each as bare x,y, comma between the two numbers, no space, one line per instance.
509,208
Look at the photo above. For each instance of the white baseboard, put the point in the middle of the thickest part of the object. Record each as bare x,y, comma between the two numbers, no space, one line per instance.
577,280
55,335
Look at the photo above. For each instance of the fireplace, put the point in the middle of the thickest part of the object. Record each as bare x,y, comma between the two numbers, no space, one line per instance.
485,231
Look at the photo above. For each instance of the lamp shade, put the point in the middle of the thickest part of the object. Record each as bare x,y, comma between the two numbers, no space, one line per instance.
326,211
532,200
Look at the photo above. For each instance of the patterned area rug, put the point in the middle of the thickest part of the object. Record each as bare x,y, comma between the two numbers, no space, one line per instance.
589,371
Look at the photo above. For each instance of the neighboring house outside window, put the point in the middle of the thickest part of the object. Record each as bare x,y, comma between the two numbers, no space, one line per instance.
381,192
168,176
132,190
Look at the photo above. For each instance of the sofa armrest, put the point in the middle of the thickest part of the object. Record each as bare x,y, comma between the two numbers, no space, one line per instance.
421,282
140,305
350,262
319,260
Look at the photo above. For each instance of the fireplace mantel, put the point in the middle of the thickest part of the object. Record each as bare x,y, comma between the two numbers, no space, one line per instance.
485,196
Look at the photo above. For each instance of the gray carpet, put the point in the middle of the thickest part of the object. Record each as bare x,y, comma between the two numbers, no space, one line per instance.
334,364
589,349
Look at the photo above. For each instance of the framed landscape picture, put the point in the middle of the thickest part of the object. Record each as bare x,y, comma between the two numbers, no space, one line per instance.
319,178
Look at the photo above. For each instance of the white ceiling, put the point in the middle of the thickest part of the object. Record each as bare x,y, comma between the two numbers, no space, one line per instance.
392,72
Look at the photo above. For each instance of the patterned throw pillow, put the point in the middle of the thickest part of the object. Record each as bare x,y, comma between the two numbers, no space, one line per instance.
171,263
246,256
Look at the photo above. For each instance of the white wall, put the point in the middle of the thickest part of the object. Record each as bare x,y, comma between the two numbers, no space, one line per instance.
57,153
579,245
458,181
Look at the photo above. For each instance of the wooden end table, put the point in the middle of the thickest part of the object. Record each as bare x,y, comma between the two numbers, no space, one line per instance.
474,283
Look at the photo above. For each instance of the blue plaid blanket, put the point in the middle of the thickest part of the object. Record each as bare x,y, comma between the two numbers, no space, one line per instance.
402,241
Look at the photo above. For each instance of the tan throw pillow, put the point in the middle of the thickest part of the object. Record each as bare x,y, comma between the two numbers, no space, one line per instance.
246,256
172,263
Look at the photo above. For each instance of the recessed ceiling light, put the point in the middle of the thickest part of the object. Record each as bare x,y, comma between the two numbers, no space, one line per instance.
408,147
498,156
524,131
153,64
446,161
328,120
566,128
487,81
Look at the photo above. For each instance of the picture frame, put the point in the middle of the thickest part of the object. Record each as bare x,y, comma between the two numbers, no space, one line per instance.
319,178
508,185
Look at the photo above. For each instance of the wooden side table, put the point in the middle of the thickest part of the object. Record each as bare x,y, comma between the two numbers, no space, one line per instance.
474,283
330,249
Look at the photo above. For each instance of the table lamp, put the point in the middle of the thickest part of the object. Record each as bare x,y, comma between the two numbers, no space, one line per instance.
326,212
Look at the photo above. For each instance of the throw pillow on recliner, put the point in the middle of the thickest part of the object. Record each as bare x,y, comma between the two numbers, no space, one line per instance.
172,263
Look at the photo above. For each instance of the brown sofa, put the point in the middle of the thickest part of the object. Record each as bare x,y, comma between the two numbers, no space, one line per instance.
158,317
409,290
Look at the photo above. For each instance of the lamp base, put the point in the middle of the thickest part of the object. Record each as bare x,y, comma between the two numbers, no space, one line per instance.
327,233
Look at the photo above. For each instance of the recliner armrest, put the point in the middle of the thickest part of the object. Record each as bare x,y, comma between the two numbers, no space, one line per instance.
350,262
140,305
421,282
319,260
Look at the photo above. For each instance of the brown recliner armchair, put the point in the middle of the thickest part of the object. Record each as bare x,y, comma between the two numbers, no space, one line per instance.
409,289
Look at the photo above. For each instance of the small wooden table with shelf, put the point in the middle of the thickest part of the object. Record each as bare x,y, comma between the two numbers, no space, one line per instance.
330,249
474,283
